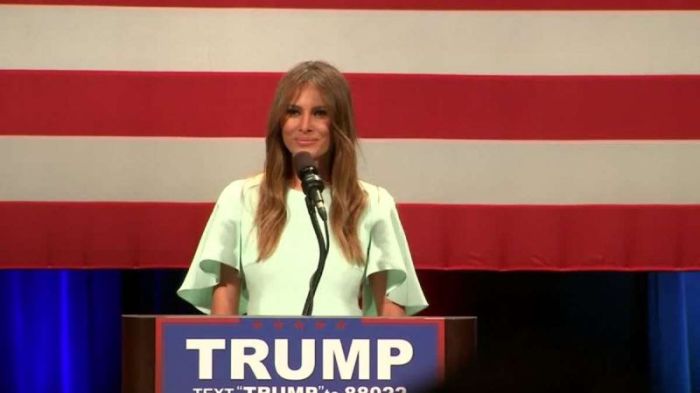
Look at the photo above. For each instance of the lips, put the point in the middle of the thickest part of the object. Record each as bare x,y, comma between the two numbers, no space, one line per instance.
305,142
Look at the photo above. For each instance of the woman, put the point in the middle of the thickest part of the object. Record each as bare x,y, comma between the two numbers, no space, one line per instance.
259,250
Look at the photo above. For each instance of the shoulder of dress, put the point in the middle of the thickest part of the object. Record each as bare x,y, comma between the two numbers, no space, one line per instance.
376,195
240,187
252,182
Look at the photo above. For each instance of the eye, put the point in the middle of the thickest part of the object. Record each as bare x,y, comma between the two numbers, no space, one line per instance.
321,112
293,111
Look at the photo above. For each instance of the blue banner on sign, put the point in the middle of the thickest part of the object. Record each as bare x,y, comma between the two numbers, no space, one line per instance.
298,355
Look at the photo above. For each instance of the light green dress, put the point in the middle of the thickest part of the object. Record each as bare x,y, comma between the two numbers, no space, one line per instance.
278,285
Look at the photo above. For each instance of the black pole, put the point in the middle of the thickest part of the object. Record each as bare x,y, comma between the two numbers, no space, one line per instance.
323,246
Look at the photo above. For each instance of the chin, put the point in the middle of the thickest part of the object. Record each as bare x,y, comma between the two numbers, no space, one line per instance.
313,152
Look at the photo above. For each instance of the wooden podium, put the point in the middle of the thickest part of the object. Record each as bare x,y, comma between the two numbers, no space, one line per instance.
142,346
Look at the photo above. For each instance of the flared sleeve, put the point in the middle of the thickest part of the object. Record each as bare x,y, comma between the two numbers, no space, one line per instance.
388,251
219,244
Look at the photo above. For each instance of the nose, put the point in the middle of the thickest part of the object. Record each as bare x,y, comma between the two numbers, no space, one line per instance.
305,122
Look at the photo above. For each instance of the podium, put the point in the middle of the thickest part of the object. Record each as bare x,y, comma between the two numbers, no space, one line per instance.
204,354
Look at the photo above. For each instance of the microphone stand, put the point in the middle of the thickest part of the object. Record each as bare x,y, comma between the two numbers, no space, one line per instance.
323,245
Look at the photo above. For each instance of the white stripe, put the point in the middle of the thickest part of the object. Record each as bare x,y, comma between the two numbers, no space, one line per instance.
498,172
436,42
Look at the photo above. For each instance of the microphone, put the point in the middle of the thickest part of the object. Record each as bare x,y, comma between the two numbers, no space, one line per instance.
311,182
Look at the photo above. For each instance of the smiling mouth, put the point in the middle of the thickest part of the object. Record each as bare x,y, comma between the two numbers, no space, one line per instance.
305,142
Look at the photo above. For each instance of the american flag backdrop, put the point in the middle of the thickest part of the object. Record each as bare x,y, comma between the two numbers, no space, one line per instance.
515,135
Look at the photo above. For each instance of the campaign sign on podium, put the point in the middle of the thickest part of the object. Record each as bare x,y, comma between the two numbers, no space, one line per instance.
304,355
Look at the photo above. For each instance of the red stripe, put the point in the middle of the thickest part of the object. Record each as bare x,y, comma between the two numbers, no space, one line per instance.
562,238
558,238
388,106
396,4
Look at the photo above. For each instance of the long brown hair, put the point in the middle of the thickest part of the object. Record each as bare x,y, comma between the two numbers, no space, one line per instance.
349,200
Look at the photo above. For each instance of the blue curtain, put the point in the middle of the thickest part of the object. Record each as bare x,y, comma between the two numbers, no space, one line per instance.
63,332
674,332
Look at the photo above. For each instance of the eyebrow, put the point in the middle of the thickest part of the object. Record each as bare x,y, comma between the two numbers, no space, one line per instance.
295,106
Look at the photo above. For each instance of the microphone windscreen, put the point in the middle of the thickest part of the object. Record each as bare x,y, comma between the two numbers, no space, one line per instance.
301,161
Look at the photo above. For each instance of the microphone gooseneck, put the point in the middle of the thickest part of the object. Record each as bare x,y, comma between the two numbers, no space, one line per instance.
312,185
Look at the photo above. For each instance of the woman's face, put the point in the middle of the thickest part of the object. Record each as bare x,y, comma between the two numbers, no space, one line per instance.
306,126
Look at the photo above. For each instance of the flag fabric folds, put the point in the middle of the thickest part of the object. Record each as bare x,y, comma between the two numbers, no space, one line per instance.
518,136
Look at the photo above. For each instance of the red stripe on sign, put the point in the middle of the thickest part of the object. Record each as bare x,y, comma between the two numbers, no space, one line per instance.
503,238
395,4
388,106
